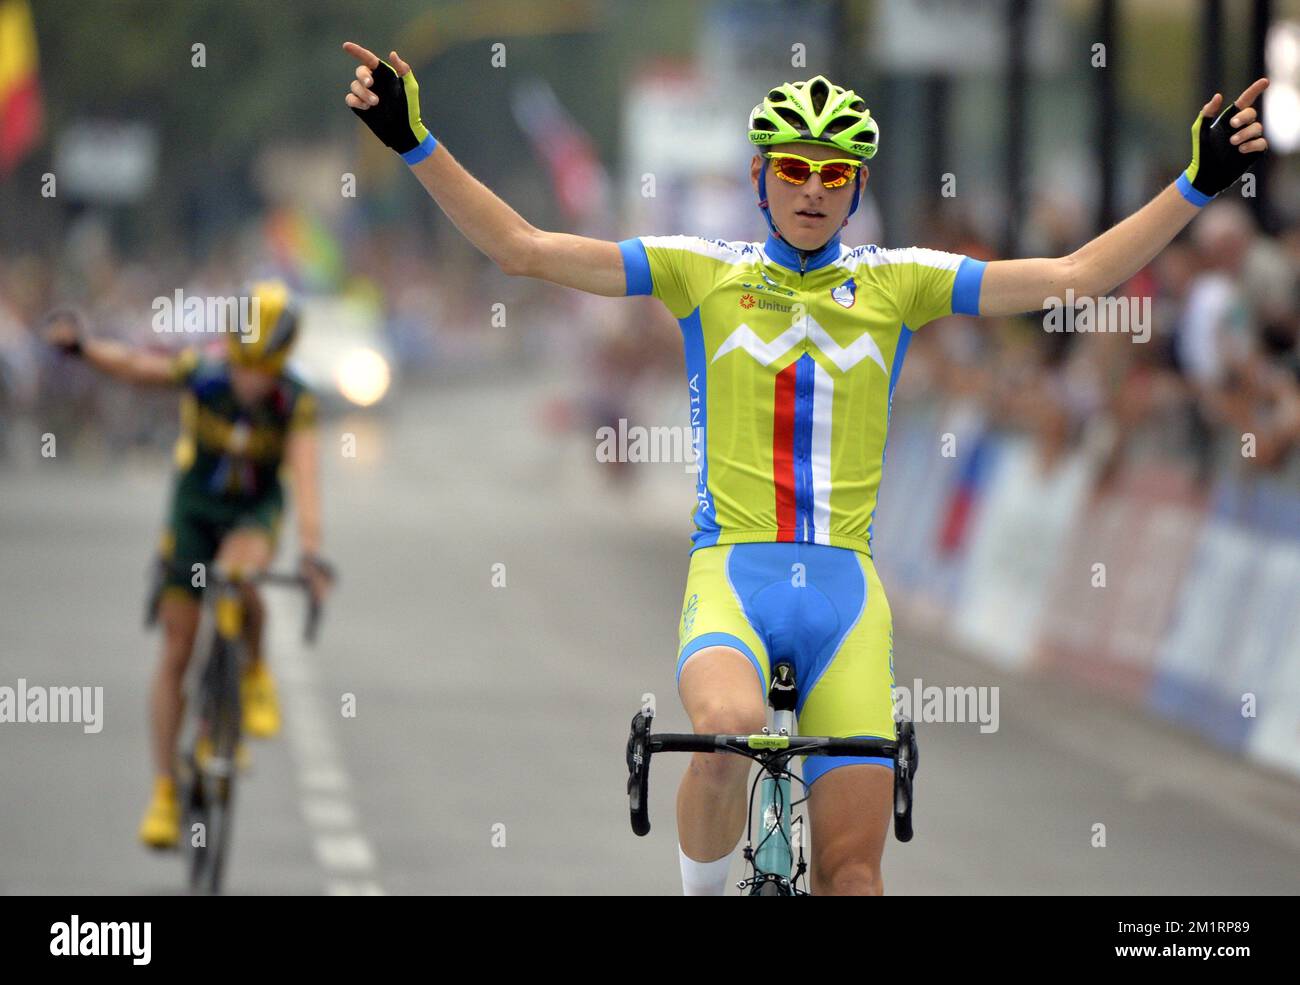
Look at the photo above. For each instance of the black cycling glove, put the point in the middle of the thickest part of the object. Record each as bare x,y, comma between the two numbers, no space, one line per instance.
1216,163
396,118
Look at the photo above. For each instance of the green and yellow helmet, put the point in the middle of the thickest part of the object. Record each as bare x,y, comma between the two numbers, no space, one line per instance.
816,111
268,326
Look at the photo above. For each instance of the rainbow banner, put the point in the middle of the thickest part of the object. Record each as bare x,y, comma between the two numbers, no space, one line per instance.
20,100
304,248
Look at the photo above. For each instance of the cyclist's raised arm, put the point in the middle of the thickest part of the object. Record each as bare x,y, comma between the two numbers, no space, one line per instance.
386,97
1220,155
514,244
64,330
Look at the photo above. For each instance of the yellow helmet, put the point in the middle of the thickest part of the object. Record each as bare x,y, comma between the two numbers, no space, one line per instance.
268,326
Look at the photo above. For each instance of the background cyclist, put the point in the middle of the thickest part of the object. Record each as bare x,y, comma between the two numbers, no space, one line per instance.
243,417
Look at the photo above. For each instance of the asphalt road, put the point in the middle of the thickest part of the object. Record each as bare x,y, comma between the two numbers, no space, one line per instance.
485,754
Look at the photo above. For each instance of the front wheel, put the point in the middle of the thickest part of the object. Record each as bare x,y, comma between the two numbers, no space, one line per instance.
210,800
207,822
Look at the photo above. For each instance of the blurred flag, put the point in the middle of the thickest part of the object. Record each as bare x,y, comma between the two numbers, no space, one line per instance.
972,480
303,247
20,101
578,178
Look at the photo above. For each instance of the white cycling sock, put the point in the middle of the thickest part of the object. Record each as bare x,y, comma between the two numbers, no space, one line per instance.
704,878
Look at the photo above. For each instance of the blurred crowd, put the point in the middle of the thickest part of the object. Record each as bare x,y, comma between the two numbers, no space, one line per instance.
1213,384
440,314
1210,384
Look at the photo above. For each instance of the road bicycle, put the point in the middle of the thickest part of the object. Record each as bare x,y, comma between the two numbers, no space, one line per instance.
772,866
210,735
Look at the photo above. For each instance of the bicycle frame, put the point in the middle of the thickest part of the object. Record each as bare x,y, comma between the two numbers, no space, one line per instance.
210,773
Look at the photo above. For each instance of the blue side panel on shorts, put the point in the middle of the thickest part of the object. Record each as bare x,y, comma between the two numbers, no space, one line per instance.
815,766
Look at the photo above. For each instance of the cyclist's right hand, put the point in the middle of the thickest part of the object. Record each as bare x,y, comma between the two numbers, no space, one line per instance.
387,98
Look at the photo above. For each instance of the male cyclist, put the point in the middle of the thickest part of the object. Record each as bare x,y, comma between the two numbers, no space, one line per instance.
242,417
793,349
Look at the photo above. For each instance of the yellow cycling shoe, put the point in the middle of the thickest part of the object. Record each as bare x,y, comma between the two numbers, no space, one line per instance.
161,825
261,706
203,752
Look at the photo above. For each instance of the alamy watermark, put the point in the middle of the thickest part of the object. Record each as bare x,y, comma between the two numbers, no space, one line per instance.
103,938
1099,316
658,443
194,314
951,704
35,704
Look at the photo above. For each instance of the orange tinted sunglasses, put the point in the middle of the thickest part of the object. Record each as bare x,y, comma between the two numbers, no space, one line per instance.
797,170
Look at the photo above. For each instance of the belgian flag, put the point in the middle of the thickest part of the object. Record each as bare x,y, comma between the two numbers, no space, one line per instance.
20,100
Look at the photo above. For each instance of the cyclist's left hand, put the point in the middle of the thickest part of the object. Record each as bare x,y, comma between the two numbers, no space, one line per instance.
319,574
1226,143
64,329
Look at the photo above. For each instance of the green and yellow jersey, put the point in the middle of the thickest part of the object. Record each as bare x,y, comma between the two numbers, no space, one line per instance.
228,459
228,451
791,364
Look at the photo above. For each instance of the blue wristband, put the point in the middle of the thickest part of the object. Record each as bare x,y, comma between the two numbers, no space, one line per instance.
417,154
1185,189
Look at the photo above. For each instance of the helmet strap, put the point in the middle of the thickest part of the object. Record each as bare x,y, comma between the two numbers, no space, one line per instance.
762,201
857,197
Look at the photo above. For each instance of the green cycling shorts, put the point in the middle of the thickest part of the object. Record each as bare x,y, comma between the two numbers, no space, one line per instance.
198,524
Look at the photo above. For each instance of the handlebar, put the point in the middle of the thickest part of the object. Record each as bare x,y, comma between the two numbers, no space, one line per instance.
794,744
312,623
285,579
642,744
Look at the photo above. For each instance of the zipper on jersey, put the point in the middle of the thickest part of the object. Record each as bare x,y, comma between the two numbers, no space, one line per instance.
803,268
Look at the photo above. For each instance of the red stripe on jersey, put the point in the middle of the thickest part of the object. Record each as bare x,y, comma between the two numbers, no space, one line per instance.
783,452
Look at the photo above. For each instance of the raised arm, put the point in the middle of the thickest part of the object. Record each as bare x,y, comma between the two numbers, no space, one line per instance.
1222,151
386,97
64,330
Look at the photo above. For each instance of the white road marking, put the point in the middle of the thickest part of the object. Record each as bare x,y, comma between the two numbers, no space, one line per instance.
348,851
340,847
355,889
328,812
